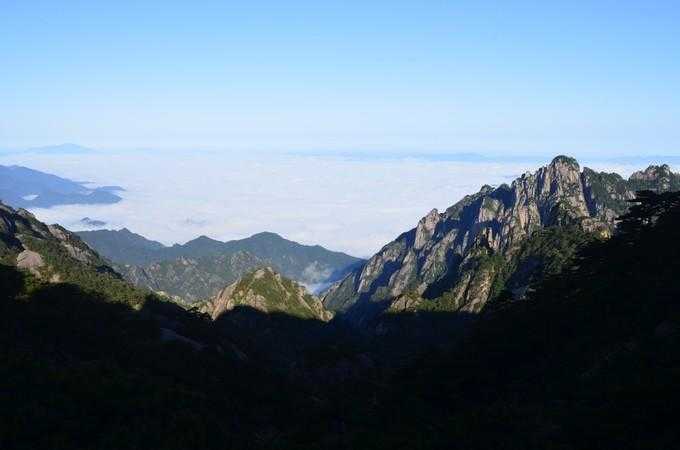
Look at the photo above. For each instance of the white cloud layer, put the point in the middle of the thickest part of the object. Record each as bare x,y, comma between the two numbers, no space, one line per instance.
353,205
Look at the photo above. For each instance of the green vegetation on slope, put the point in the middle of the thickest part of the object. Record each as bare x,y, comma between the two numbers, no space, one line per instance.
196,270
101,278
269,292
589,360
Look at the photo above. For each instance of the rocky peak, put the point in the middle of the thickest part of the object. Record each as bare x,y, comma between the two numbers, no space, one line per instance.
267,291
25,214
460,253
561,176
563,160
652,172
31,244
426,227
658,178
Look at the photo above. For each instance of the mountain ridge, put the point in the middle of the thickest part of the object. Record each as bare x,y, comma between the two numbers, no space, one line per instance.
464,252
596,344
23,187
197,269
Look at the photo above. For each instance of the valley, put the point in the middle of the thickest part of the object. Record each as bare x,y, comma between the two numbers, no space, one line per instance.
452,323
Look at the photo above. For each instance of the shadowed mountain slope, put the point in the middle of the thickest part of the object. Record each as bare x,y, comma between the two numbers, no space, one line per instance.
588,359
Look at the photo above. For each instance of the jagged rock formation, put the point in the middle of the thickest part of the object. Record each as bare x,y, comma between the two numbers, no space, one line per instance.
459,259
268,292
51,254
27,243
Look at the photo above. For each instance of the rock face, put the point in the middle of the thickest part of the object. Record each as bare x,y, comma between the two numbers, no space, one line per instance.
461,252
268,292
30,260
27,243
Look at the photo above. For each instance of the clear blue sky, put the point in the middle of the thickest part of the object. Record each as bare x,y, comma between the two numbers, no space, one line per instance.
525,77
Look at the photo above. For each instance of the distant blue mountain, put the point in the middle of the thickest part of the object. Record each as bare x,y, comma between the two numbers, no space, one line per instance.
61,149
92,222
22,187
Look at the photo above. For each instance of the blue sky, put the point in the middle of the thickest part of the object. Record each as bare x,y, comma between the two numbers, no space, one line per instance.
518,77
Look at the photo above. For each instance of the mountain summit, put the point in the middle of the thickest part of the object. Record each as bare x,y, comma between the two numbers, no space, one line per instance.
267,291
461,258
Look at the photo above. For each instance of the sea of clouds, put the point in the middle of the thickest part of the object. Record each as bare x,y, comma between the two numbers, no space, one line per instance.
348,203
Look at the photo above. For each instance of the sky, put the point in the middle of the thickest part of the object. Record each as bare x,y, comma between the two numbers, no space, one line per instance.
330,122
599,77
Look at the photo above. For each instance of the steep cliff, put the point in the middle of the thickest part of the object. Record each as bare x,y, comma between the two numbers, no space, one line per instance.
459,259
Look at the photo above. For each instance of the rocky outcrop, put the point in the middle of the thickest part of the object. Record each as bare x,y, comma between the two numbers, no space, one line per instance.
30,260
30,244
656,178
267,291
460,254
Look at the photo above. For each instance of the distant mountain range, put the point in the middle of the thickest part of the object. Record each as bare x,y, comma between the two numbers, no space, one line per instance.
22,187
198,269
60,149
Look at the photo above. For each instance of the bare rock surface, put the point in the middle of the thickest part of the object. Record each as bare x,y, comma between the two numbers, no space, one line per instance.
28,259
460,251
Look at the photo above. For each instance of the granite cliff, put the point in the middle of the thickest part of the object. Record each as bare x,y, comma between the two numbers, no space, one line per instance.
459,259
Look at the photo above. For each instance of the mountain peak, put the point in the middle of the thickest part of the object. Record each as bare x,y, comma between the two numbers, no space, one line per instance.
267,291
652,172
460,258
266,234
202,239
565,160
